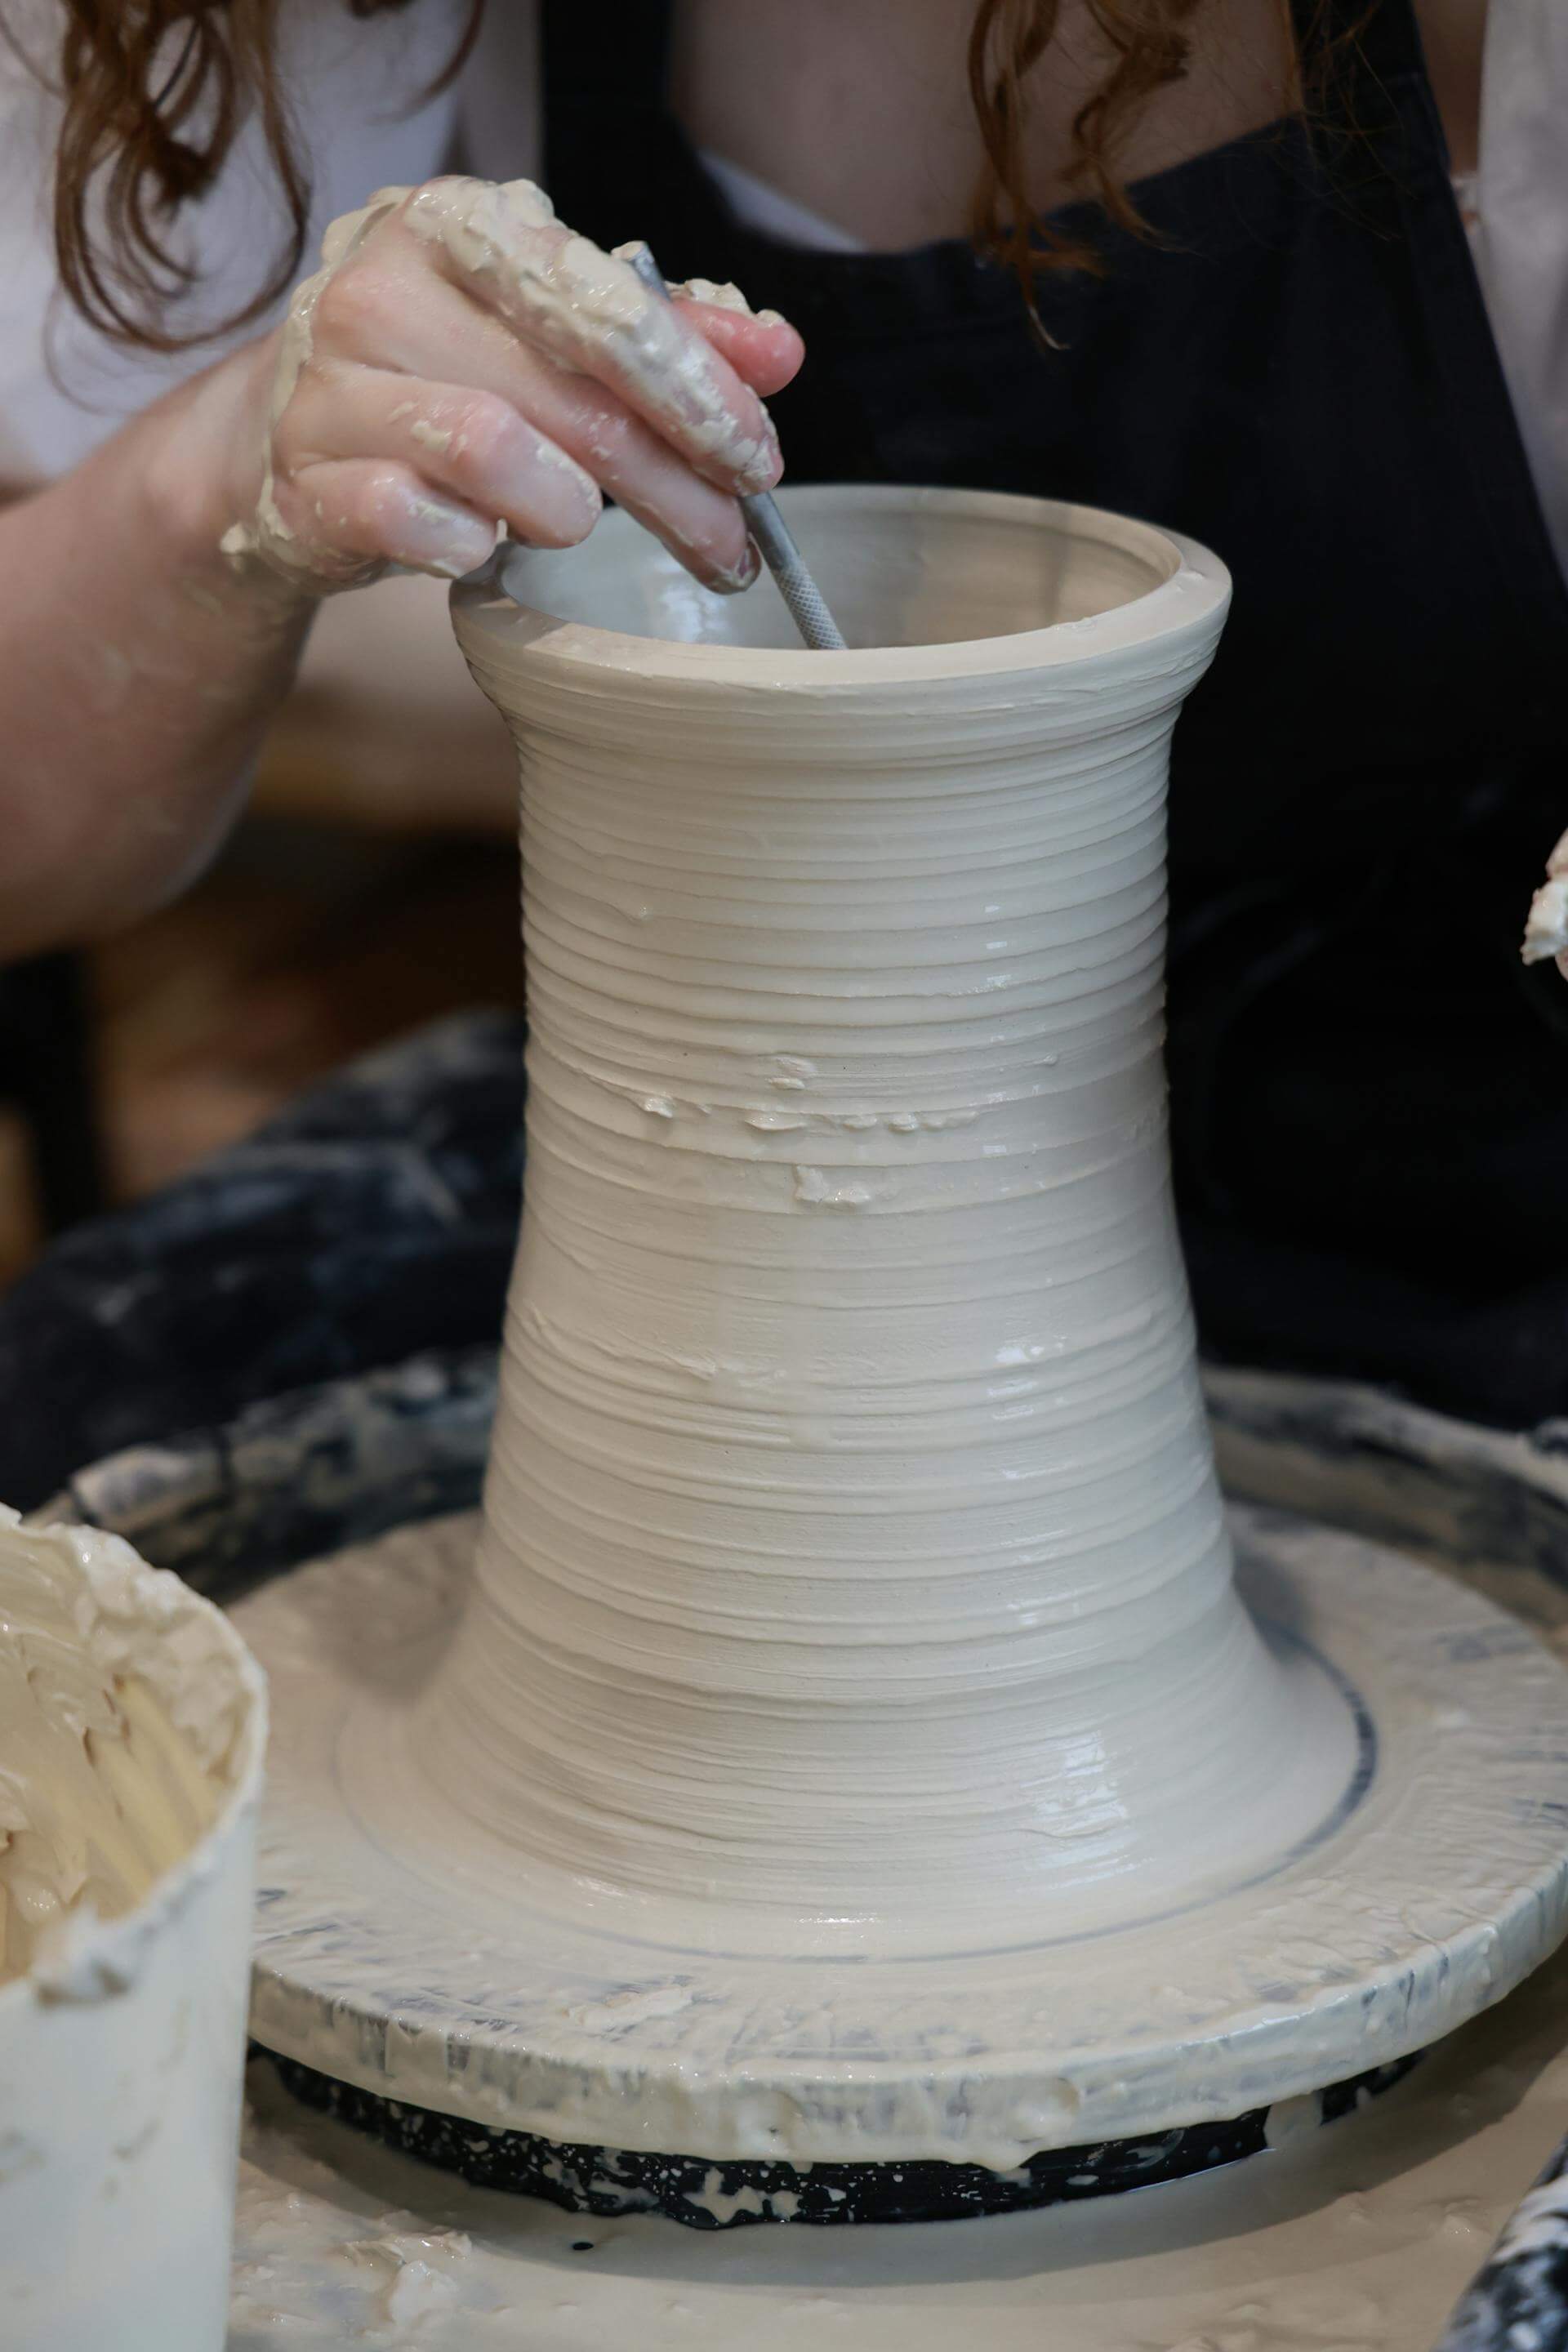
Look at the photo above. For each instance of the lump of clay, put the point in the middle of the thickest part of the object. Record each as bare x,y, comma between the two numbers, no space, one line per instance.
120,1713
1546,926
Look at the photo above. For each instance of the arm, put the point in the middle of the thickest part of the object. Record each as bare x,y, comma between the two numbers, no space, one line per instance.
137,671
461,361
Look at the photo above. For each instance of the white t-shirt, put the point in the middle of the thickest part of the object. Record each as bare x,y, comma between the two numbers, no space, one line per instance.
362,121
1519,230
360,117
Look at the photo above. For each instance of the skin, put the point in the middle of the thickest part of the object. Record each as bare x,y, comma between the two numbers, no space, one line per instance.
440,398
131,732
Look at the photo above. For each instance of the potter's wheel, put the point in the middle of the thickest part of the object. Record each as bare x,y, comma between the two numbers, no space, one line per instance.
465,2012
849,1784
1363,2235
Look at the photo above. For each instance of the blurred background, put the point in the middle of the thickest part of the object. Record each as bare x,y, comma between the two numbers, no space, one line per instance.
373,887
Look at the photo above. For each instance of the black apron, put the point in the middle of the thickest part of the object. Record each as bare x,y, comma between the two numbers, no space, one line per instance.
1369,1094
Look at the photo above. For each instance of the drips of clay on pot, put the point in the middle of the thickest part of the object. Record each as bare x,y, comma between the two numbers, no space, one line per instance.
132,1728
853,1584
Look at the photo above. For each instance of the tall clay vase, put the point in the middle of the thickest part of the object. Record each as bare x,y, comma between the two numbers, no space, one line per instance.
853,1573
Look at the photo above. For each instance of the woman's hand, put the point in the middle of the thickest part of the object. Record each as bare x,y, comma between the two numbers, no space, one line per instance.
462,361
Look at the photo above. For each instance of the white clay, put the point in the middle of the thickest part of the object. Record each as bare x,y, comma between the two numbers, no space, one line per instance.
1364,2234
1358,2238
101,1791
1361,2235
131,1727
722,296
266,535
852,1544
1546,930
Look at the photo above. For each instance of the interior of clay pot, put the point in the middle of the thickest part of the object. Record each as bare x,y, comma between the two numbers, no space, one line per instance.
898,567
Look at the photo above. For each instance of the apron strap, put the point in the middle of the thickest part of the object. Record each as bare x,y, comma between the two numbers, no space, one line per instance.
616,163
581,65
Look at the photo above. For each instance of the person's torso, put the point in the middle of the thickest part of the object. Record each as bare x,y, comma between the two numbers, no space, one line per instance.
1296,368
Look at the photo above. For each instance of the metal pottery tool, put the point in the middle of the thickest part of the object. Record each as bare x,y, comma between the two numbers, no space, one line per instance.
807,607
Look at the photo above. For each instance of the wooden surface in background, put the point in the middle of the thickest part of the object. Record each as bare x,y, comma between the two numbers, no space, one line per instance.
374,888
386,730
300,952
303,948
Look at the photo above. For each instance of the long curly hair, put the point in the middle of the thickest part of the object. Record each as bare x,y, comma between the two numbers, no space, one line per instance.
155,91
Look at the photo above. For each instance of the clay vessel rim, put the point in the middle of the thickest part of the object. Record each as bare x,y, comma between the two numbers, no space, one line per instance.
1188,602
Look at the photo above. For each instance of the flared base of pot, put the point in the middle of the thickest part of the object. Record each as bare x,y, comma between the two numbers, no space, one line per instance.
519,2042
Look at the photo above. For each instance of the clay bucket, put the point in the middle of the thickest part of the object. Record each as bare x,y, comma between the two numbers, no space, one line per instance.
123,2040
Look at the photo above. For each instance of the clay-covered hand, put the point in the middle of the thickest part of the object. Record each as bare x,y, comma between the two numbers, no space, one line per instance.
461,360
1546,930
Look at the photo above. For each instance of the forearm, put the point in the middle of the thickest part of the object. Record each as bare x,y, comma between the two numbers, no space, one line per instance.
137,668
461,362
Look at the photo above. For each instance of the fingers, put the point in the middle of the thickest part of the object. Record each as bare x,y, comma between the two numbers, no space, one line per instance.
703,530
462,362
445,335
347,518
590,312
472,446
766,349
642,473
